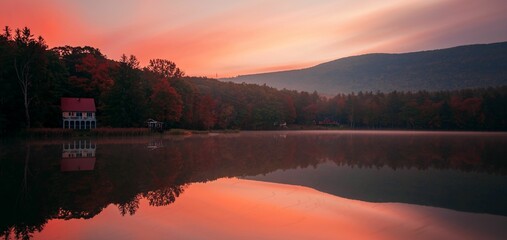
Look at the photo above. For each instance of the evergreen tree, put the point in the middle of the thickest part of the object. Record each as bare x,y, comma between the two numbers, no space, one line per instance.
125,104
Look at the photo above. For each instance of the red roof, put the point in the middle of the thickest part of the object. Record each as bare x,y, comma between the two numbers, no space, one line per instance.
77,164
78,105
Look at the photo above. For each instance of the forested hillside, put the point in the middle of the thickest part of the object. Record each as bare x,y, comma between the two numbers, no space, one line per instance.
257,107
33,78
473,66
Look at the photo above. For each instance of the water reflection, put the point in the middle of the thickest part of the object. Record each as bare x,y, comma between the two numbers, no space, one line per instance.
155,143
41,180
243,209
78,155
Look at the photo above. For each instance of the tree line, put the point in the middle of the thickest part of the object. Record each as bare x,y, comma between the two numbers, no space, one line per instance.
34,78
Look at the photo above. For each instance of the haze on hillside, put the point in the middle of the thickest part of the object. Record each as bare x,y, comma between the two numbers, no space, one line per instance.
472,66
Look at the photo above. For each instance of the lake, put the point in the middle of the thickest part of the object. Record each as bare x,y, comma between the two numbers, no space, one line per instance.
257,185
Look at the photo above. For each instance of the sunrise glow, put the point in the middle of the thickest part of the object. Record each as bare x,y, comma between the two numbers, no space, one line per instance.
227,38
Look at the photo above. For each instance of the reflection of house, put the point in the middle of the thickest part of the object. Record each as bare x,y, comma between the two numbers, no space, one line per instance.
78,113
152,145
78,156
280,124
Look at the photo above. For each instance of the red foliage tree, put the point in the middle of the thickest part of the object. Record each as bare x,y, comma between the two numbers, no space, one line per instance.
94,75
166,103
205,111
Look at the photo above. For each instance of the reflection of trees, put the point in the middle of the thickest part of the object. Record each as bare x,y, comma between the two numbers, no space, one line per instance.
164,196
126,171
254,154
23,208
21,231
121,179
158,197
71,214
130,206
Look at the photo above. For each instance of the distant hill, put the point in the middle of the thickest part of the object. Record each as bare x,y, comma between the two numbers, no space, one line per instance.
470,66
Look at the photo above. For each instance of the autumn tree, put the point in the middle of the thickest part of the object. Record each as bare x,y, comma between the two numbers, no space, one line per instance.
189,96
225,115
166,103
165,68
289,110
93,75
205,112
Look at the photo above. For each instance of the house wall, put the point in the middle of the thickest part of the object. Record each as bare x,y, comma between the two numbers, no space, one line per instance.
79,120
76,115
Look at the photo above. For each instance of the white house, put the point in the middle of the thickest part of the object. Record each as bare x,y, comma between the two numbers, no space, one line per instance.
78,113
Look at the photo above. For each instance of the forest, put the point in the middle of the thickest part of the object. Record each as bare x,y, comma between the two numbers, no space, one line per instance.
33,78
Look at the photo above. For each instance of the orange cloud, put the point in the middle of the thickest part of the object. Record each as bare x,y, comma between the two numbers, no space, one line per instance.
229,38
55,23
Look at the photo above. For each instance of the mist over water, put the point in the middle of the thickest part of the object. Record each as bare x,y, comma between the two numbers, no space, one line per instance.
45,180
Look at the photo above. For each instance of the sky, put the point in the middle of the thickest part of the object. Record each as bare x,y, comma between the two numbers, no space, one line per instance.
225,38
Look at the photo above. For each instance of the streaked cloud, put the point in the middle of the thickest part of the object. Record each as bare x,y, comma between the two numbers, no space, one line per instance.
227,38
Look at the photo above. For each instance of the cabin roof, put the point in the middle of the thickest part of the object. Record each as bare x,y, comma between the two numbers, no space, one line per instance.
78,104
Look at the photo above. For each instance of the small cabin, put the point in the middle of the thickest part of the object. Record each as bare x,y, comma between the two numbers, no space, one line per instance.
155,125
78,113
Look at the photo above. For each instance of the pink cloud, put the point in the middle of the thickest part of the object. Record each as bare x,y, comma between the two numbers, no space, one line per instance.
230,38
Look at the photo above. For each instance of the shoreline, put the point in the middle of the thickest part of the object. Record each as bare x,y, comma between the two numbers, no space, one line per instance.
58,133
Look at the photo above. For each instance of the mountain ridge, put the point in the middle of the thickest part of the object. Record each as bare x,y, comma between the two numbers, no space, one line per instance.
467,66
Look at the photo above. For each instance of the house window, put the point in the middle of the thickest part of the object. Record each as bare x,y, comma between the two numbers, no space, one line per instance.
89,114
79,114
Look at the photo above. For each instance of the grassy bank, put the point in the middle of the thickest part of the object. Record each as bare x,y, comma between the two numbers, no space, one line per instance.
190,132
97,132
109,132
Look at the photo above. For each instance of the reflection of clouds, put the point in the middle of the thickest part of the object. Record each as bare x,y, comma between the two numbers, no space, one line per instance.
129,171
243,209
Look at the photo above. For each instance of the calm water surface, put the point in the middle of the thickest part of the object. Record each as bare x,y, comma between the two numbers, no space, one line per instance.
257,185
